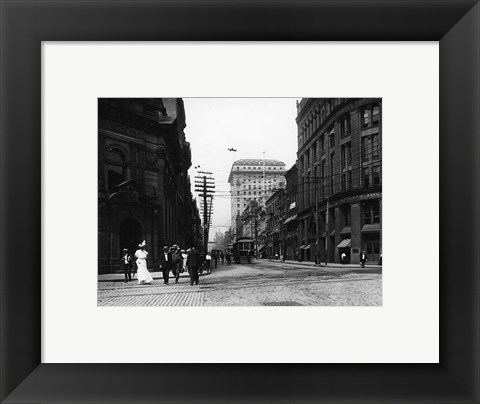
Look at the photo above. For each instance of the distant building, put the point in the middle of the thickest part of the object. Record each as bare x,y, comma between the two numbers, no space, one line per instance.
340,174
253,180
275,210
143,186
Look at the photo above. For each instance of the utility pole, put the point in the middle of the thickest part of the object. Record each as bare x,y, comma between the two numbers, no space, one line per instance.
317,242
328,233
204,184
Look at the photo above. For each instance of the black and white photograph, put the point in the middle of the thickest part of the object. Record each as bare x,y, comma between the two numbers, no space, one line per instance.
239,202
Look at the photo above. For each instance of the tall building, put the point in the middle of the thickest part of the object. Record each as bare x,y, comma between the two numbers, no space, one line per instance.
253,180
340,178
143,186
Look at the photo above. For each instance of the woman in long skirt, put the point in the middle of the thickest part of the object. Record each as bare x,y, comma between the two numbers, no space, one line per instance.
143,274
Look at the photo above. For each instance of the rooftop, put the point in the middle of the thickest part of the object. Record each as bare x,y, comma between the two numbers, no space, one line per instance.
268,162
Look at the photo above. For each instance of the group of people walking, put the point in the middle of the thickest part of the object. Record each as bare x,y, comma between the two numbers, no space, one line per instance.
172,259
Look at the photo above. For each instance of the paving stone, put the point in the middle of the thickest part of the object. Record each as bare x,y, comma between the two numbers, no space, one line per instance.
259,284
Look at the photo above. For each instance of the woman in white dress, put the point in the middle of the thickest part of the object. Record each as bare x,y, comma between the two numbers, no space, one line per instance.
142,272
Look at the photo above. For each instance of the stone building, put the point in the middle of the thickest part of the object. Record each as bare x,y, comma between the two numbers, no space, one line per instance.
291,222
253,180
340,178
143,186
275,210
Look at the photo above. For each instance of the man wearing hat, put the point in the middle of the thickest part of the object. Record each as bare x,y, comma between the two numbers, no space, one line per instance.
176,261
166,263
193,262
127,262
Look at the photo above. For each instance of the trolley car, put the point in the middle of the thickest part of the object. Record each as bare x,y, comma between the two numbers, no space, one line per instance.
243,250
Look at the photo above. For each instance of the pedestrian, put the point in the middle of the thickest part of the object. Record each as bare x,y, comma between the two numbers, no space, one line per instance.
222,257
229,258
193,262
176,262
208,260
127,261
165,263
143,274
184,260
215,259
343,257
363,258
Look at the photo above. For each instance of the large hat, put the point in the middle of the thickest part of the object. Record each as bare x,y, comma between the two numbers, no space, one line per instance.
143,244
125,249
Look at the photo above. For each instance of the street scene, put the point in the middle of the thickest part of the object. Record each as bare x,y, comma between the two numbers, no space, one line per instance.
261,284
239,202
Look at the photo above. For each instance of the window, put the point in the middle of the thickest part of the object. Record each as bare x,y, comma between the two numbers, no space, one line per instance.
366,147
331,135
346,181
375,146
370,116
322,145
366,118
375,115
366,177
376,175
371,212
345,126
346,155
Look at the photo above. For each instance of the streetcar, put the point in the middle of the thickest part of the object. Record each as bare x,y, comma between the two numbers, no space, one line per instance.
243,250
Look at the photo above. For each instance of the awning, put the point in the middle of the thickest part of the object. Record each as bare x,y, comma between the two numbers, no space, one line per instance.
371,228
301,247
345,243
307,247
346,230
261,247
290,219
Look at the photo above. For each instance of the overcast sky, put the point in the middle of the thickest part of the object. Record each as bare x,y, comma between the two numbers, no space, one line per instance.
250,125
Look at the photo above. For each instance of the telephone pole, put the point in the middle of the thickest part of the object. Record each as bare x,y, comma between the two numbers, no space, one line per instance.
204,185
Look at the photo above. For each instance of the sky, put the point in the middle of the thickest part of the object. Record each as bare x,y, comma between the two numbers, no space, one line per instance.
250,125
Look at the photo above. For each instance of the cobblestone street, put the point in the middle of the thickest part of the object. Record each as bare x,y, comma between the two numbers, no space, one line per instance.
263,283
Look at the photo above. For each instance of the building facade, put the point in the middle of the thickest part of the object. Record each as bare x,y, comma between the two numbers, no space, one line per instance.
339,178
275,210
291,222
143,186
253,180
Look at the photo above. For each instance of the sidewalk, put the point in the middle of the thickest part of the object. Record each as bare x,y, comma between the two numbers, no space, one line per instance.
120,277
310,264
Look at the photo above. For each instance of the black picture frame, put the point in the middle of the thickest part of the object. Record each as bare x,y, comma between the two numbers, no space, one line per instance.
24,24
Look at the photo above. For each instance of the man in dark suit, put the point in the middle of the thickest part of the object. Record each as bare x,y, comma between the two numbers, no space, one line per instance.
127,262
165,263
193,262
